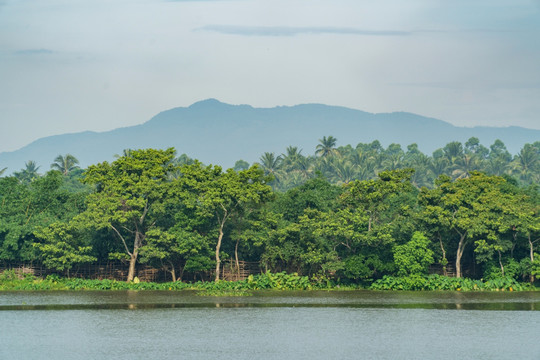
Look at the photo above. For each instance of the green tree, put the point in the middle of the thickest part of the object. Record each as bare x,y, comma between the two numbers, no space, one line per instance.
241,165
129,197
222,196
413,257
65,164
371,195
60,250
466,209
327,146
168,249
29,173
271,164
25,208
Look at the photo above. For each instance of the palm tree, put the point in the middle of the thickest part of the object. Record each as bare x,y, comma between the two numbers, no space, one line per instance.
327,146
65,164
526,164
2,171
393,161
465,165
270,164
497,166
438,166
453,151
344,172
29,173
291,158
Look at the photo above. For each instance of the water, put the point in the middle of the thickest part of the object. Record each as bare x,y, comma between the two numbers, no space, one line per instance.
269,325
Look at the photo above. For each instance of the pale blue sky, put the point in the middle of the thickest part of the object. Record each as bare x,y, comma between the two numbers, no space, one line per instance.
74,65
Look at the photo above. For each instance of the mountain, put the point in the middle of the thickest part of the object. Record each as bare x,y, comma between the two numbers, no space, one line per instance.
218,133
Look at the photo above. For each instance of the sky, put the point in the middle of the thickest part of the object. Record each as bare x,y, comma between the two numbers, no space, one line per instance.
75,65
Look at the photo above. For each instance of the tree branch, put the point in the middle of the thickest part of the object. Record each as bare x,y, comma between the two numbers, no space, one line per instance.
123,241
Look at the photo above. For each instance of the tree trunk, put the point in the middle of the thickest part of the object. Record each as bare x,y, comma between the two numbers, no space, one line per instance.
531,253
132,262
444,261
218,247
459,254
236,260
501,264
172,271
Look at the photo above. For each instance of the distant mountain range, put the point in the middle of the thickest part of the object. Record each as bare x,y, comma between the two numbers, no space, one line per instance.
218,133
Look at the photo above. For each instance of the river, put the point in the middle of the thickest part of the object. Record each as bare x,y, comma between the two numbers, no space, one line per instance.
269,325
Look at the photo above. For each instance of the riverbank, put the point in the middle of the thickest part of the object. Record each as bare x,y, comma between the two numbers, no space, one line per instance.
9,280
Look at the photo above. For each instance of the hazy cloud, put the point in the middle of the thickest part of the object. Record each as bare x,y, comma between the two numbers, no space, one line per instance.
462,85
292,31
34,52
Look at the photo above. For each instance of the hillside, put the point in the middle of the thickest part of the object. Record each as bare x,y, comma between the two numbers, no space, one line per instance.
219,133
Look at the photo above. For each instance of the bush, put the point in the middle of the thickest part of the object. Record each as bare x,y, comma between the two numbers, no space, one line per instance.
438,282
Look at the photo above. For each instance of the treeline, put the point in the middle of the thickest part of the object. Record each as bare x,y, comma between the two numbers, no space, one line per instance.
341,165
181,216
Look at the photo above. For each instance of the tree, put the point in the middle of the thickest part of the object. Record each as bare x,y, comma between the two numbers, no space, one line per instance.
167,249
29,173
222,196
413,257
60,249
527,163
371,195
65,164
327,146
25,208
2,171
241,165
271,164
129,197
467,209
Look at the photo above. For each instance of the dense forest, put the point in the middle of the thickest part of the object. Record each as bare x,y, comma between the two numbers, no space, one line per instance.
350,215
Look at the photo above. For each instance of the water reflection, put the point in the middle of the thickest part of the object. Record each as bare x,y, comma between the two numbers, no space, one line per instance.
269,325
140,300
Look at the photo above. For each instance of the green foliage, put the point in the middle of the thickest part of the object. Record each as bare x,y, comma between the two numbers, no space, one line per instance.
278,281
437,282
183,217
413,257
60,250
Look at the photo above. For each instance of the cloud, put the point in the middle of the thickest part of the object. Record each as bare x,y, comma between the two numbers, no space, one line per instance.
462,85
292,31
34,52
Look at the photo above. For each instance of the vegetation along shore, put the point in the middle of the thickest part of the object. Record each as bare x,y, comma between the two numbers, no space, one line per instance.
464,219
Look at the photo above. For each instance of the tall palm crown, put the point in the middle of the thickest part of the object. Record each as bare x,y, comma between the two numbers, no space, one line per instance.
65,164
327,146
270,163
29,173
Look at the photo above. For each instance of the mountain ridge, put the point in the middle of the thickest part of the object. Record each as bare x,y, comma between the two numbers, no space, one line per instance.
219,133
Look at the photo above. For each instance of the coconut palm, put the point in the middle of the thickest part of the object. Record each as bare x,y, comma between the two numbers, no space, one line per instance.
527,163
270,164
29,173
465,165
65,164
453,151
393,161
326,147
291,158
438,166
344,172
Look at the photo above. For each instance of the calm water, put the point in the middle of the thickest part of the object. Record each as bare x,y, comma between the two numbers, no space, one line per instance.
269,325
